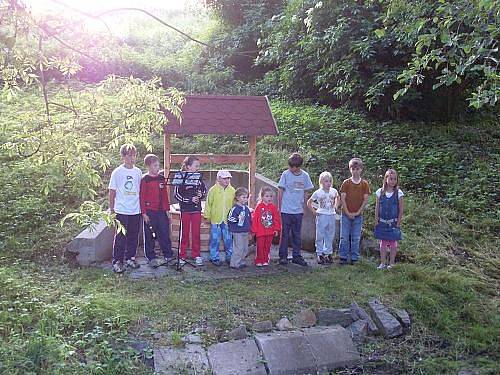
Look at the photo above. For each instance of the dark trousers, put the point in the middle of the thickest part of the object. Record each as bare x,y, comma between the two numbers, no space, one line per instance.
291,225
158,220
126,244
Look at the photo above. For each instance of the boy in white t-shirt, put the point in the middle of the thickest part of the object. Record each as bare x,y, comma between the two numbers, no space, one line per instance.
327,201
124,202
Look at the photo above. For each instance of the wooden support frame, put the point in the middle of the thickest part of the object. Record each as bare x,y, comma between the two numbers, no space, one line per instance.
252,168
250,158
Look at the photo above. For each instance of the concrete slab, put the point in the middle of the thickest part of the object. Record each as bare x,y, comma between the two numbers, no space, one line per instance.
210,272
189,360
332,347
235,358
286,353
312,350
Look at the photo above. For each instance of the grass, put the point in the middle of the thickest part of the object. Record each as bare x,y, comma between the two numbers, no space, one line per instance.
58,318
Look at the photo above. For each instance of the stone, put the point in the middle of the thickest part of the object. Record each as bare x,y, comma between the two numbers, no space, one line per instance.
388,324
284,325
329,317
304,319
173,361
359,313
359,331
235,358
210,330
265,326
402,316
238,333
94,244
310,350
192,339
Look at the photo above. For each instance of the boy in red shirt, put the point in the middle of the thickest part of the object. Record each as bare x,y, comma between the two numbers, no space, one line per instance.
154,208
266,224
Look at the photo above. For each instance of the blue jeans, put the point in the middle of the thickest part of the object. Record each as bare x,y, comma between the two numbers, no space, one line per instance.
216,231
291,225
325,234
350,234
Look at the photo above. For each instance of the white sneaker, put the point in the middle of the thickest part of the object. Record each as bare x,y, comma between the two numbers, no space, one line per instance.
265,264
259,264
382,266
199,261
182,262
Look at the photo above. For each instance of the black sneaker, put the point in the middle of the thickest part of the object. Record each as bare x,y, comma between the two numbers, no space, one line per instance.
343,261
353,262
329,259
321,259
283,261
300,261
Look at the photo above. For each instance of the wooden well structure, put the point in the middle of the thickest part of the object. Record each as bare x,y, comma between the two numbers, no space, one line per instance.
248,116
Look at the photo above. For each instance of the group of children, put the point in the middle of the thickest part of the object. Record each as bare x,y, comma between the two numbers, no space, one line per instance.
133,196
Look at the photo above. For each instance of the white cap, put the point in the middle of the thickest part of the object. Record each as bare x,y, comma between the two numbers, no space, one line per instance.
223,173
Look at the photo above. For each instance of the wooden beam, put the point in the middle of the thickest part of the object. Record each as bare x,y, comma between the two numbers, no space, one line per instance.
252,168
167,149
213,158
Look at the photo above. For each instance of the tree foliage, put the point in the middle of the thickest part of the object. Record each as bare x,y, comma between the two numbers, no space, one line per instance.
80,125
434,54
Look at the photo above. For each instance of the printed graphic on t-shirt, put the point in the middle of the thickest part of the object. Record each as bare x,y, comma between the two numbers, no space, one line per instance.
326,202
129,186
298,185
266,218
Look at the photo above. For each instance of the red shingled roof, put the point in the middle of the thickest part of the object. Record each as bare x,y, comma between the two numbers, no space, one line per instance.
241,115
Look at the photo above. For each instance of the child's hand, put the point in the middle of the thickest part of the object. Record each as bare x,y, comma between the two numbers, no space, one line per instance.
146,218
196,200
276,233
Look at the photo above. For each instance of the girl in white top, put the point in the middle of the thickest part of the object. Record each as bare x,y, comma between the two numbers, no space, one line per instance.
327,201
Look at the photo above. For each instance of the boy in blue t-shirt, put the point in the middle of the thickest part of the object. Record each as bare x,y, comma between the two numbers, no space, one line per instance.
239,223
293,184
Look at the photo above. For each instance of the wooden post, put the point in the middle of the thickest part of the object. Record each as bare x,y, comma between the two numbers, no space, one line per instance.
166,153
166,157
252,168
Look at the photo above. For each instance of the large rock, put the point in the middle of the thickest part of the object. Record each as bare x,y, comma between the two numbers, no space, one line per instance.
307,351
173,361
359,313
329,317
235,358
284,325
403,317
304,319
265,326
93,245
359,331
238,333
388,324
